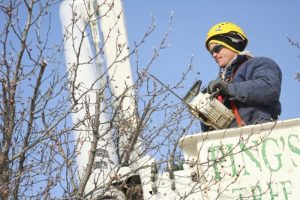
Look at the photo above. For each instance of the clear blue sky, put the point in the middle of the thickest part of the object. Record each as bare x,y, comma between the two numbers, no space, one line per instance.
266,22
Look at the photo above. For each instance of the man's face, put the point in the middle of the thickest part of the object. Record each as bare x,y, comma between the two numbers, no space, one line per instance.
221,54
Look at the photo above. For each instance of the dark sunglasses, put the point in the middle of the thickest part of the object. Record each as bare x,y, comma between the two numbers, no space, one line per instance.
216,49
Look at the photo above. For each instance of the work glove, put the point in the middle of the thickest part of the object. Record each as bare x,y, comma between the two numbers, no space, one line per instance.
214,85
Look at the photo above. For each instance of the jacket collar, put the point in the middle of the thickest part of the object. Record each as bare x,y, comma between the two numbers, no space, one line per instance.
227,73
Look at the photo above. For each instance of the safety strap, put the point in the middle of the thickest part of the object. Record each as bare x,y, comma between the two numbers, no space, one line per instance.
240,122
238,118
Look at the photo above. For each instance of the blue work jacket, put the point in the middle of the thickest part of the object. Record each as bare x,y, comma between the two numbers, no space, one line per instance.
255,90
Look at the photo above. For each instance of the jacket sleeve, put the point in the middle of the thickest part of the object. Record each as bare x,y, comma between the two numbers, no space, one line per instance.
257,82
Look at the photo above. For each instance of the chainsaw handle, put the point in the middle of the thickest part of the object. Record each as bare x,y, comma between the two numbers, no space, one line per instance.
214,94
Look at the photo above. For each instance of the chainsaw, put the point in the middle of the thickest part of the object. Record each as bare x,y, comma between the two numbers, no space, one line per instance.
204,106
207,108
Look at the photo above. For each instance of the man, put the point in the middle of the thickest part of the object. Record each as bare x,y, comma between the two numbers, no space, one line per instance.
250,86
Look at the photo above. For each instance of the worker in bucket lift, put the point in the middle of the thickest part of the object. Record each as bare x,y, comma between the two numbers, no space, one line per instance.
249,86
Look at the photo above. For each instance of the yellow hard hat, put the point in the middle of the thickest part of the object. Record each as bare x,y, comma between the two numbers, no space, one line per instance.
219,32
